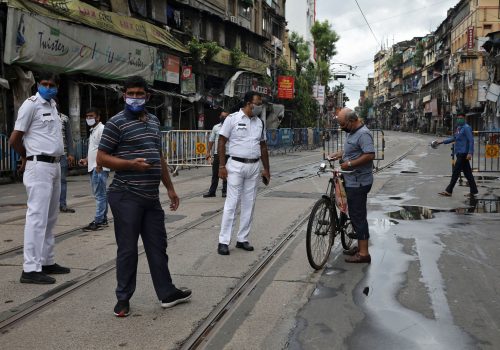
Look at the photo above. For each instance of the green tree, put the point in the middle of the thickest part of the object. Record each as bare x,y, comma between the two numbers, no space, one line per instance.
418,59
324,40
302,49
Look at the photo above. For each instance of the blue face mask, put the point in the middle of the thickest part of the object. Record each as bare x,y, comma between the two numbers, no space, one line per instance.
47,93
135,105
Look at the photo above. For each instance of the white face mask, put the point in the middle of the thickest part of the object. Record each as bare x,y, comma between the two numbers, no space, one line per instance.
257,110
90,122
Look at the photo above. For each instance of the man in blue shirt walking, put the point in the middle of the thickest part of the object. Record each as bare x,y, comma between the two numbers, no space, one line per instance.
463,149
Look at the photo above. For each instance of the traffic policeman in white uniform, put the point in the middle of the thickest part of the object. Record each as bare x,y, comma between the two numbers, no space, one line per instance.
38,139
246,135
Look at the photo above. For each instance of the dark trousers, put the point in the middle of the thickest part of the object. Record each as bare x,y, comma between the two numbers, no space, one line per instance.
215,176
64,181
356,203
134,215
462,165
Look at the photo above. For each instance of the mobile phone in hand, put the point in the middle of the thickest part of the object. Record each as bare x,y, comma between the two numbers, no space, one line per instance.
264,180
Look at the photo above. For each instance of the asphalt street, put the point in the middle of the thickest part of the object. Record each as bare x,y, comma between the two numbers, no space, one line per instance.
433,282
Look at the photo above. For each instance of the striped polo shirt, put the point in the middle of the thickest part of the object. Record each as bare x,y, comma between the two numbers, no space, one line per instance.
126,136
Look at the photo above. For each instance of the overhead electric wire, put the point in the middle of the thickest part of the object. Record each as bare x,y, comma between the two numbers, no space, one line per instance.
369,26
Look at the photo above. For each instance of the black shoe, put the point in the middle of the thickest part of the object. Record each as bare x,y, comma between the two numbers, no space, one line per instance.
244,245
179,296
208,195
55,269
224,195
36,278
103,223
223,249
122,308
66,210
92,227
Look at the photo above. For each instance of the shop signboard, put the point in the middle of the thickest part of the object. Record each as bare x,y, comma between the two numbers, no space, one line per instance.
167,68
285,87
69,48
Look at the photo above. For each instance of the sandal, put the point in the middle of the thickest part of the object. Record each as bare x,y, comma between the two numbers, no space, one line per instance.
359,259
445,194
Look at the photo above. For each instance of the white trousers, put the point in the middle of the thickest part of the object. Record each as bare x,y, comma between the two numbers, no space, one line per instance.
242,184
43,186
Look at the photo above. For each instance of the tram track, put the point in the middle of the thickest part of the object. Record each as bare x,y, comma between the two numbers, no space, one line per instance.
215,319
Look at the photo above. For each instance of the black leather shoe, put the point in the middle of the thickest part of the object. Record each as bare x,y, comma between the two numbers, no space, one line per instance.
208,195
36,278
55,269
223,249
224,195
66,210
244,245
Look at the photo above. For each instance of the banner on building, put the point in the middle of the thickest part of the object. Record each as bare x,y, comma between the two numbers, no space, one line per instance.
58,46
285,87
188,86
319,94
104,20
470,38
167,68
187,72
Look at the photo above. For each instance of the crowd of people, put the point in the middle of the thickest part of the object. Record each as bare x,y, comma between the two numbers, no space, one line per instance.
130,145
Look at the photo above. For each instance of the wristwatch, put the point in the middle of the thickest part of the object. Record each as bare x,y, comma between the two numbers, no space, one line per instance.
349,164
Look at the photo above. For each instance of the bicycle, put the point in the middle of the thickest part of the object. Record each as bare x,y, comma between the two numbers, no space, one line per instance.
329,218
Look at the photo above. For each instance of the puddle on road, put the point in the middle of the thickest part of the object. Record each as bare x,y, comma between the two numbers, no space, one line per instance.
323,291
473,205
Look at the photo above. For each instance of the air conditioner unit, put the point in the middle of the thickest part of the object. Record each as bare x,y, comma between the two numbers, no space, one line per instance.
233,19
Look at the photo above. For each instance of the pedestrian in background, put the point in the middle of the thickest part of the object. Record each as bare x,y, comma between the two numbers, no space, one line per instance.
357,156
131,145
246,135
37,138
463,150
67,160
98,174
214,140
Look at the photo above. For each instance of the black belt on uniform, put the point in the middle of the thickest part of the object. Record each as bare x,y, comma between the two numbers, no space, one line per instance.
44,158
245,160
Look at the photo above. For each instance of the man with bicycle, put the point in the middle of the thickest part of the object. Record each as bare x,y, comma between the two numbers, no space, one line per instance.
358,155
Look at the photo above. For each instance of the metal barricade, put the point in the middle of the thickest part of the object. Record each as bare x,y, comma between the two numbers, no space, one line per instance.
8,157
81,149
333,141
185,148
486,151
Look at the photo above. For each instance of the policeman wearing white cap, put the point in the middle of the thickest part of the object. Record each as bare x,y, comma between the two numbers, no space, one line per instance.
38,139
246,135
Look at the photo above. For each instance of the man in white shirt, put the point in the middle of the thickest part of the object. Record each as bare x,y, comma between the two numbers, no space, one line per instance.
214,139
247,145
37,137
98,174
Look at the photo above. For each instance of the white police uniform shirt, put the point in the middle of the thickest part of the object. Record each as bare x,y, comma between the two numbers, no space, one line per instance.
40,122
214,137
94,140
244,135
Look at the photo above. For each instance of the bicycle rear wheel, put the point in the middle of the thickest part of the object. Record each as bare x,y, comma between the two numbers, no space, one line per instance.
320,233
347,233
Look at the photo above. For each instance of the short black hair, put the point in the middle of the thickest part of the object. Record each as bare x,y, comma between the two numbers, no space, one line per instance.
248,98
134,82
44,75
93,110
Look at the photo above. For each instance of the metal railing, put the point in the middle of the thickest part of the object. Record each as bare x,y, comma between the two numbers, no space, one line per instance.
333,141
8,157
185,148
486,151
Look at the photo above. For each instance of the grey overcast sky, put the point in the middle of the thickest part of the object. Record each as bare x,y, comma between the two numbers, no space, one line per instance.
391,20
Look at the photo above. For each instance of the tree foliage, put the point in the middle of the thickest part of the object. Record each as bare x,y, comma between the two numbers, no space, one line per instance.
324,40
302,49
394,61
418,59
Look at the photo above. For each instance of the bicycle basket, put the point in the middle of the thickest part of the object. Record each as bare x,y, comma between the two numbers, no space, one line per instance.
340,195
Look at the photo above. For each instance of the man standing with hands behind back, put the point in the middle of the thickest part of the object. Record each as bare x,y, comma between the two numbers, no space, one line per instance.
247,147
37,137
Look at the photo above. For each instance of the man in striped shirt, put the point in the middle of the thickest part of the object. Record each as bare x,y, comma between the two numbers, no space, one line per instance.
130,144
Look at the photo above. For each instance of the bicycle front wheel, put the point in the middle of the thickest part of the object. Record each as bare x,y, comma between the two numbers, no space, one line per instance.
319,238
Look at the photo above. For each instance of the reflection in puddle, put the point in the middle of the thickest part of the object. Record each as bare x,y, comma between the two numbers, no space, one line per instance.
412,213
484,205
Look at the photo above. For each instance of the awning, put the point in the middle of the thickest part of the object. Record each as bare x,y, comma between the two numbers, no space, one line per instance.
229,88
